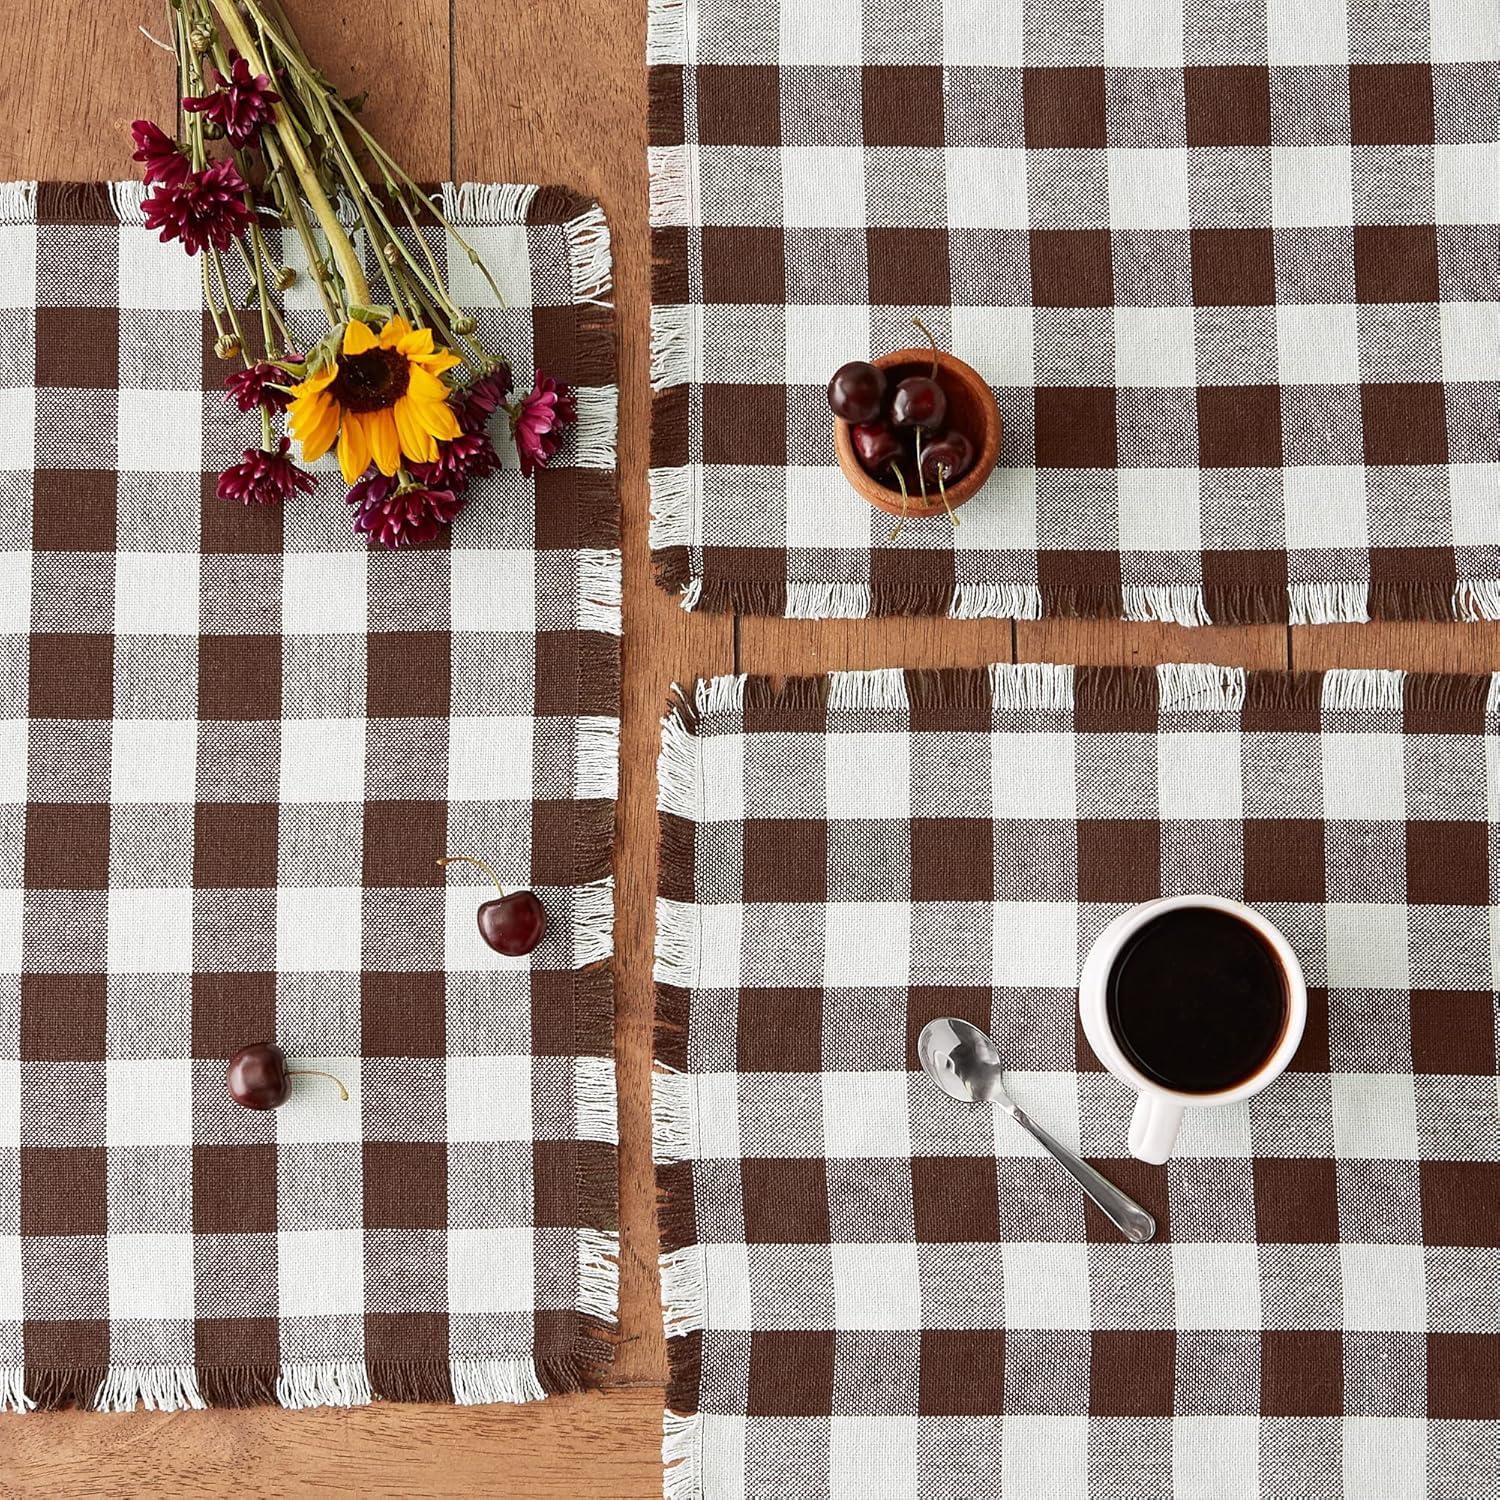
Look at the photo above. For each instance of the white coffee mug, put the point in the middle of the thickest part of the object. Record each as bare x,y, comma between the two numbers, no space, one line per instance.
1158,1110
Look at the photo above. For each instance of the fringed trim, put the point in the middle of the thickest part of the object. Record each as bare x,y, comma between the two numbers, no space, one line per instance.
478,204
17,206
589,257
302,1386
598,1117
1183,686
126,198
691,594
595,438
594,921
666,32
674,1115
672,519
677,771
671,346
996,601
599,1274
1492,703
1031,687
827,601
883,690
684,1290
720,695
669,186
13,1395
1356,690
478,1382
1477,599
682,1456
1174,605
676,942
599,589
597,776
156,1387
1328,603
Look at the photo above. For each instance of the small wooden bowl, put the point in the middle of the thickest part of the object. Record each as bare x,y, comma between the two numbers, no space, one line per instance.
971,408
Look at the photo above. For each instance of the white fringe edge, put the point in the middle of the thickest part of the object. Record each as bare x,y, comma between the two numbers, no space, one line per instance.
682,1456
691,594
595,438
481,203
1361,690
479,1382
827,601
882,689
1328,603
589,257
594,921
1492,706
666,32
677,773
17,206
996,601
597,775
671,346
156,1387
599,589
676,943
1183,686
671,507
13,1395
1176,604
674,1115
1477,599
1031,687
301,1386
599,1274
669,186
721,695
684,1291
125,198
597,1109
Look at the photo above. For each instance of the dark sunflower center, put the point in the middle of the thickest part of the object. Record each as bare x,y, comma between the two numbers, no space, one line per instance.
371,381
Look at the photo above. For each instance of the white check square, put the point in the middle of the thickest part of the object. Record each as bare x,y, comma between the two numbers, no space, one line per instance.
1160,510
322,760
865,1115
867,943
326,593
318,929
1308,31
150,931
1375,1115
489,758
489,1098
1046,1285
1033,776
1312,185
1214,1456
149,1101
490,1271
156,593
986,187
320,1273
1143,33
1216,1285
1385,1287
982,36
1036,943
1198,776
1364,776
12,1301
828,34
857,763
1318,343
812,331
876,1286
1325,506
869,1455
823,186
1045,1458
145,416
1148,188
1467,181
1154,347
150,1276
1367,950
153,760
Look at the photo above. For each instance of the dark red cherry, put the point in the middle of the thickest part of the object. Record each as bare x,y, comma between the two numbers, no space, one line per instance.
513,924
258,1077
919,402
857,391
952,455
876,445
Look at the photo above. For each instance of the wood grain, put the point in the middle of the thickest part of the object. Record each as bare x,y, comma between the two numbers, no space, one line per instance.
542,93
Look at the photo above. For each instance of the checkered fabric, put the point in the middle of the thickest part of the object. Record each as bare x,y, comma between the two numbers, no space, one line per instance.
232,744
1228,265
873,1290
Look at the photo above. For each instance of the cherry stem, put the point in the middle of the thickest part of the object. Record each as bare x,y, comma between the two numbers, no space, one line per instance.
918,323
921,477
943,495
319,1073
479,864
905,501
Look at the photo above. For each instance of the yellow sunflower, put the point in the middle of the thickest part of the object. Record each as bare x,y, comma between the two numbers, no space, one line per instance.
380,399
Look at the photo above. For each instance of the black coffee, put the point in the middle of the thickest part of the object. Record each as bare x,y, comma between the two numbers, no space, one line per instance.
1197,1000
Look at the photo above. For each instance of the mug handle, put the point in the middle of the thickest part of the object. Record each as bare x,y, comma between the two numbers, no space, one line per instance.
1153,1128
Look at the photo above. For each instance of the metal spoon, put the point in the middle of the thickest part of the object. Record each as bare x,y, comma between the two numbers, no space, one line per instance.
962,1061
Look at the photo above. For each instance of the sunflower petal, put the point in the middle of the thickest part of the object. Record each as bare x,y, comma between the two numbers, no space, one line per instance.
359,338
354,446
438,361
416,441
385,446
319,436
423,385
315,383
417,342
396,329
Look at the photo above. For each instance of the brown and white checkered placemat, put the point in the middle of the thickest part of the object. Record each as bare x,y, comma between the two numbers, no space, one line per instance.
1229,266
871,1290
232,744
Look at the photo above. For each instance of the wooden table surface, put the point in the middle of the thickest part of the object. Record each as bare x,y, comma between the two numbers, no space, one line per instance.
530,91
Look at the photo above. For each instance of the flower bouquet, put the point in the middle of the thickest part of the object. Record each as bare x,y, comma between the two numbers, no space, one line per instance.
403,393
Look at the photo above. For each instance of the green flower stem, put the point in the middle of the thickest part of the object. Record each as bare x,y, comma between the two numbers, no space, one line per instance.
213,257
352,274
291,208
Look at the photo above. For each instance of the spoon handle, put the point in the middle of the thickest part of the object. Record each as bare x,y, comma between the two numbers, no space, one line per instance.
1123,1212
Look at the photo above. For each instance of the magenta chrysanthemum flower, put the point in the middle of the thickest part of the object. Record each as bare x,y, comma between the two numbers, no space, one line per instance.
240,104
477,403
264,478
391,516
537,420
470,456
161,155
205,208
256,387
